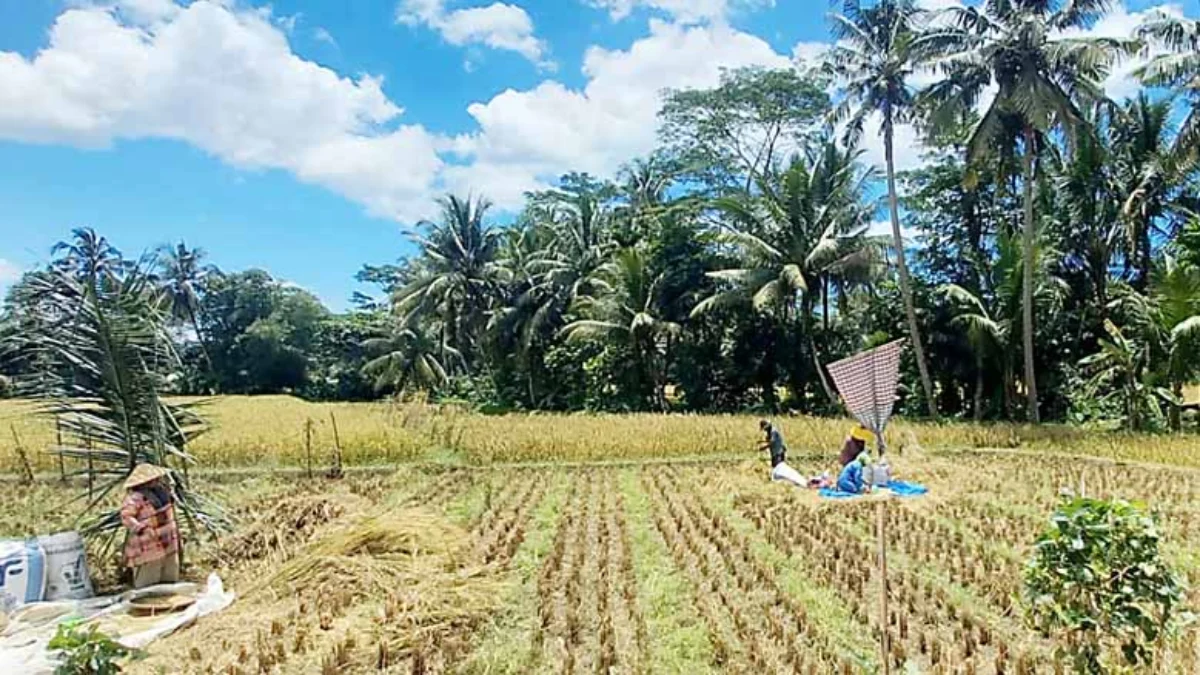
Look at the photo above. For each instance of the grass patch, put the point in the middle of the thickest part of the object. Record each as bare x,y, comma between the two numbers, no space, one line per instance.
678,638
507,643
822,602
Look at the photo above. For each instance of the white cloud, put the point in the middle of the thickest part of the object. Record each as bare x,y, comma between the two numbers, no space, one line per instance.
223,78
682,11
809,53
540,133
147,11
226,81
322,35
9,272
1121,23
498,25
883,228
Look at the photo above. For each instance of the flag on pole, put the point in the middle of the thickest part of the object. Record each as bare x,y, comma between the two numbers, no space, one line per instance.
867,383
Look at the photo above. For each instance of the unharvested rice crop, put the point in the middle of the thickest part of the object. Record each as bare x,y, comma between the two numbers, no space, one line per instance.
697,567
270,431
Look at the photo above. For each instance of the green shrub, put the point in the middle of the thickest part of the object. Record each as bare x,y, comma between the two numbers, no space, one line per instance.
1098,580
86,652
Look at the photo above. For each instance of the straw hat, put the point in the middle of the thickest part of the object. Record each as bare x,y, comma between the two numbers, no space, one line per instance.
144,473
862,433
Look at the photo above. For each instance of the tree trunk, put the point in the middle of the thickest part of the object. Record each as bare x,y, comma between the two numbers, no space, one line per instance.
806,327
978,389
1145,258
200,339
1175,418
914,331
825,302
1131,401
1008,389
1027,243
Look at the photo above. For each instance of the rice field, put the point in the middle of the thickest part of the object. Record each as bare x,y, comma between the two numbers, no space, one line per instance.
639,567
270,432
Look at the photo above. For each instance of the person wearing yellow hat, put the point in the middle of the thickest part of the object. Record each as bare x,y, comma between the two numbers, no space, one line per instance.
148,513
855,444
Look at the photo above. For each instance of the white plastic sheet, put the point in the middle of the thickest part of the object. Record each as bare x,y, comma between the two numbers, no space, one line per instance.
23,642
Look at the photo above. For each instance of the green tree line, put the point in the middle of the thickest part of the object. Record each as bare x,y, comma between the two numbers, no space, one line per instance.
1043,261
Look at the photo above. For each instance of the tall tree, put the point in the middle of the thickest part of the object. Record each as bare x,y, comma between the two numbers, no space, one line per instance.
874,55
457,280
1087,195
626,308
1041,76
181,277
989,315
732,135
807,223
1178,68
1158,176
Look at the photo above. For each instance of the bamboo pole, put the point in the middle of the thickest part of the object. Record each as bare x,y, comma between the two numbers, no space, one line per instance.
91,472
308,429
62,465
336,470
24,468
884,647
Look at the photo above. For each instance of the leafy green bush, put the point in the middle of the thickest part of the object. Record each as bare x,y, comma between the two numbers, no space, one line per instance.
86,652
1097,579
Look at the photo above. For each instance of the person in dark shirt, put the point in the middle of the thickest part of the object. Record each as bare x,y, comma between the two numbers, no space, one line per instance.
773,442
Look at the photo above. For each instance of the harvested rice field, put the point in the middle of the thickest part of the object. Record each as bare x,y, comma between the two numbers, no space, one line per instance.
696,567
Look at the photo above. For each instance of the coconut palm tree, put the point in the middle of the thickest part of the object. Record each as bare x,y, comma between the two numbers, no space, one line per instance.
876,50
552,260
624,308
992,318
1168,318
806,225
88,257
1087,204
1041,76
812,221
1157,176
1178,68
410,358
181,277
457,279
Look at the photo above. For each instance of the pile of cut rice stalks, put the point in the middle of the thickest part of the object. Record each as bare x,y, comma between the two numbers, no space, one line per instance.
393,592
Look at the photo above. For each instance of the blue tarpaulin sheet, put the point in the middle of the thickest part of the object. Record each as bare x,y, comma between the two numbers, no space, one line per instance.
897,487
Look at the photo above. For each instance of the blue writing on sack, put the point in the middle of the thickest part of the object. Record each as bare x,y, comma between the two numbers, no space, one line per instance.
6,568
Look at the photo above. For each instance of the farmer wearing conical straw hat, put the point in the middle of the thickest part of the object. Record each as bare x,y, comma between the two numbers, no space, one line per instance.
152,545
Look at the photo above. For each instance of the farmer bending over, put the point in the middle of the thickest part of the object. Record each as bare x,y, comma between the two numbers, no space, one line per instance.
773,441
152,546
851,478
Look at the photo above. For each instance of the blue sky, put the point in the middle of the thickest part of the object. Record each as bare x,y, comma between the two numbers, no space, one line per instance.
304,136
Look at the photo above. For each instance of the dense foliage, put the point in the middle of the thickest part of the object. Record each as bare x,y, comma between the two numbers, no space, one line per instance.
1042,259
